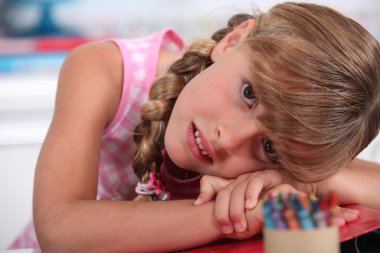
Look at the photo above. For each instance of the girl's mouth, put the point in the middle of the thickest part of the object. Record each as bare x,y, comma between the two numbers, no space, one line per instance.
199,142
196,144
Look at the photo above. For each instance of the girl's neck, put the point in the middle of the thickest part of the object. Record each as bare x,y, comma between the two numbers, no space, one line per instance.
180,173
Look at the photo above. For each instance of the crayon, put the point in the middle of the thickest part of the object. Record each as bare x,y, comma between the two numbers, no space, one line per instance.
268,221
279,220
290,215
324,207
299,211
333,206
303,214
276,214
280,201
305,201
317,214
333,200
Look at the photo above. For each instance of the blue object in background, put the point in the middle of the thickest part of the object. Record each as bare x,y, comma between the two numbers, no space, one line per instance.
14,11
31,62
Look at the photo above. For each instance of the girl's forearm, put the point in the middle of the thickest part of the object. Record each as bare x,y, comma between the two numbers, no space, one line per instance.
127,226
358,183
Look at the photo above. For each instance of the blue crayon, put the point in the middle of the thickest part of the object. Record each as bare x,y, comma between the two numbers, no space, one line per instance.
303,214
267,210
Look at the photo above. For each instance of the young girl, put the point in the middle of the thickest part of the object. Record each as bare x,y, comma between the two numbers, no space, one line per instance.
290,96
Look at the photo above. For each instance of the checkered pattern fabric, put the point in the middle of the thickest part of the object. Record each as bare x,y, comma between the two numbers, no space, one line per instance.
116,177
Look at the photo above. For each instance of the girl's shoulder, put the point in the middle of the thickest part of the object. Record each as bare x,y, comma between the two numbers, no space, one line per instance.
99,55
93,68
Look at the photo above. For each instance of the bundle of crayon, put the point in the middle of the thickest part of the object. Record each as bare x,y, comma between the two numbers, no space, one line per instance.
299,211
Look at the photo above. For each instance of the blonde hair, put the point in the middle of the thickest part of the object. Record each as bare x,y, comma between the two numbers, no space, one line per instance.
316,73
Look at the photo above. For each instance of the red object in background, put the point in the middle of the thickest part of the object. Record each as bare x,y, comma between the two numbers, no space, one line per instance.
48,44
55,44
368,221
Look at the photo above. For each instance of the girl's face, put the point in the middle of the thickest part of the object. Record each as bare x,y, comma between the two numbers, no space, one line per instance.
213,128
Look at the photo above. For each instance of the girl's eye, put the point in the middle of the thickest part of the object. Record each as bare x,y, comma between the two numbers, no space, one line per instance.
269,150
248,94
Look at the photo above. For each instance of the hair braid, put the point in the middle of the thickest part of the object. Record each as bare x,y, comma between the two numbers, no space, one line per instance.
149,134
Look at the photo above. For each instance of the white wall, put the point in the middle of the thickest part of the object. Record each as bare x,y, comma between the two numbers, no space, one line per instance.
16,180
26,105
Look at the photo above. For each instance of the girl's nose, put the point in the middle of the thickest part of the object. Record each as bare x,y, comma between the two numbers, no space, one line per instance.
235,136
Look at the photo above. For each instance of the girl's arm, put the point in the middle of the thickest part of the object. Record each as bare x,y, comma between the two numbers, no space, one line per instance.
67,216
358,183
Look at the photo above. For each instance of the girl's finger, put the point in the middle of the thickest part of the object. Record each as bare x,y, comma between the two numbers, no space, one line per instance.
346,214
258,183
338,221
349,214
255,219
222,211
209,187
237,207
254,188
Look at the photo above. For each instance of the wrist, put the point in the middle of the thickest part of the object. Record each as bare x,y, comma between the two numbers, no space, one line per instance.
309,188
327,185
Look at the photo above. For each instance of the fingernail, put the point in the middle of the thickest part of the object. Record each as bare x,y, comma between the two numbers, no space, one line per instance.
249,204
353,211
238,227
197,202
227,230
341,222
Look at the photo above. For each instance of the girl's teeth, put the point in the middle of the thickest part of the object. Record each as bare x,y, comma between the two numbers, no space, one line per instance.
199,142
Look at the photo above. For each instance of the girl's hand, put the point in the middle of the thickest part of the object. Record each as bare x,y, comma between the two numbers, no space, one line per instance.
233,197
343,215
254,216
254,182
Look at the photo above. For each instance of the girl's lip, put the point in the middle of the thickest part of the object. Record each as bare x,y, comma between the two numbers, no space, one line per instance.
193,146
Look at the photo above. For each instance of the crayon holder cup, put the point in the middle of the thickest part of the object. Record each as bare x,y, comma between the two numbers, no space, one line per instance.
319,240
298,223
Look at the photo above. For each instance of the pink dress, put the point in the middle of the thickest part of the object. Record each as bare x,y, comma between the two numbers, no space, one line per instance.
117,180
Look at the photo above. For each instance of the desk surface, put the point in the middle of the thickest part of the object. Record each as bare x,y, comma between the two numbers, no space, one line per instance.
368,220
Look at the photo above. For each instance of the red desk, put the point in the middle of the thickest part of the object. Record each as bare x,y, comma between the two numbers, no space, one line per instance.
368,220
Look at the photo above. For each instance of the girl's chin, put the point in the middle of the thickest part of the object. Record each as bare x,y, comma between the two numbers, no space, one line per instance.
176,158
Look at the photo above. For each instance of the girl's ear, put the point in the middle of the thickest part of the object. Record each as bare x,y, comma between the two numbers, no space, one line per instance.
233,38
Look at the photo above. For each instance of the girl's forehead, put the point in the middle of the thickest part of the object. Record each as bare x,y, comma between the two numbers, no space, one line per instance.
240,58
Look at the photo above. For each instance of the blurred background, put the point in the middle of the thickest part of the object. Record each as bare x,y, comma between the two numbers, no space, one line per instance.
35,37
